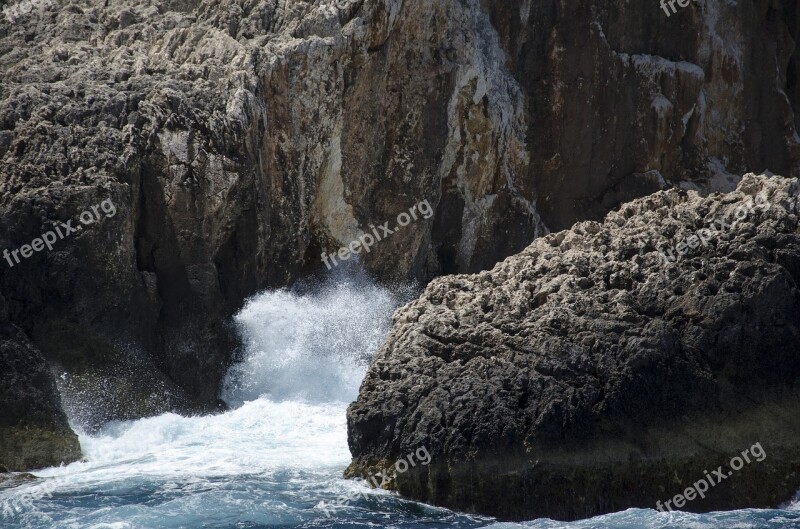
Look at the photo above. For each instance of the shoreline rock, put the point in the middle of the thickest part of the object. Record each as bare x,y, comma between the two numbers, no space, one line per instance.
240,140
585,376
34,432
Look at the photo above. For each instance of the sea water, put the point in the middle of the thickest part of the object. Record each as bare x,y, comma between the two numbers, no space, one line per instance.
276,458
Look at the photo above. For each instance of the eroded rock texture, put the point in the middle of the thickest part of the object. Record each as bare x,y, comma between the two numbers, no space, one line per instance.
241,138
589,374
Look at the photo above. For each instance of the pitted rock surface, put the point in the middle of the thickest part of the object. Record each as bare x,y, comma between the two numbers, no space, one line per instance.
239,139
34,432
578,376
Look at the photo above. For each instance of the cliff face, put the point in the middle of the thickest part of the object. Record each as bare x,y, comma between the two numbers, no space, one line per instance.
617,89
604,367
238,140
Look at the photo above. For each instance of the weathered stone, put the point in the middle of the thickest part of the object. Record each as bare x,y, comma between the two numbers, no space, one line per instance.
241,139
617,88
34,432
589,374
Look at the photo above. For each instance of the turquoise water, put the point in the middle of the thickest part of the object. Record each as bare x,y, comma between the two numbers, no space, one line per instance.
276,459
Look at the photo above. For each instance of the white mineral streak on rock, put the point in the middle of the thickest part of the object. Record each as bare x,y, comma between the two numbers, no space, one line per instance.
486,119
330,207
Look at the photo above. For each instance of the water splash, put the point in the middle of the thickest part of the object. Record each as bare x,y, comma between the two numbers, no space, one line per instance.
284,443
276,458
313,342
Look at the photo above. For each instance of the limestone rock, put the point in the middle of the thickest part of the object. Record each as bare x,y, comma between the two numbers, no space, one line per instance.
239,139
618,88
590,373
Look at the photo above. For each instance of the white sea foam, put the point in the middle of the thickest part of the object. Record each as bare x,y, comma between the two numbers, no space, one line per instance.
306,352
312,343
277,457
260,438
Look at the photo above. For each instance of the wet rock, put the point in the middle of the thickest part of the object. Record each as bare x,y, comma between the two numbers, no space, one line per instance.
34,432
591,373
240,140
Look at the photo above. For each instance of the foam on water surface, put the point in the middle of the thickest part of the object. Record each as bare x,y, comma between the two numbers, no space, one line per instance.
277,457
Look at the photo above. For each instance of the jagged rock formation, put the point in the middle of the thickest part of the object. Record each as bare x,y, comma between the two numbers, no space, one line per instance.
241,138
591,374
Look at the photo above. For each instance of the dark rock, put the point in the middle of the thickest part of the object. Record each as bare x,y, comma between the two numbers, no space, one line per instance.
240,140
15,479
617,88
589,374
34,432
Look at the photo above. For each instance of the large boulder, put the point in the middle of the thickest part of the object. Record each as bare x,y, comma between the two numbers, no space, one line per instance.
604,367
34,432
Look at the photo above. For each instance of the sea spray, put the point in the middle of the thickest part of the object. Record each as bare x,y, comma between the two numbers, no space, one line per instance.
272,461
312,342
306,350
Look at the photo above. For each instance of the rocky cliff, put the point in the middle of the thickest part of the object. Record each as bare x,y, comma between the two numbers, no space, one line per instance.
240,139
604,367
